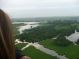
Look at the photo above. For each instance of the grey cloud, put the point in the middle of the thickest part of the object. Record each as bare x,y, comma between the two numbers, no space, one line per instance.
40,8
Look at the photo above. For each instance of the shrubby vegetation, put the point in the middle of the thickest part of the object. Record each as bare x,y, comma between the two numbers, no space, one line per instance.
48,30
71,51
62,41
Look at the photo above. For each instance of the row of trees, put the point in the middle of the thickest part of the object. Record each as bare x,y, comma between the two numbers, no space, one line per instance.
62,41
49,31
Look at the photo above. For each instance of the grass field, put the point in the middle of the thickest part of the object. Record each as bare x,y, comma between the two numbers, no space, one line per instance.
71,51
21,45
34,53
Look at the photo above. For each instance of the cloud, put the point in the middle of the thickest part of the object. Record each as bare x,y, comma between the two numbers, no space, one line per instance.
37,3
32,8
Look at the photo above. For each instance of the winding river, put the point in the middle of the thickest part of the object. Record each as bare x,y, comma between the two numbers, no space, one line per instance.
28,25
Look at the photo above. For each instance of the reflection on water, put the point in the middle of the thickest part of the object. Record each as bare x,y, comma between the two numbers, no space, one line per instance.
28,25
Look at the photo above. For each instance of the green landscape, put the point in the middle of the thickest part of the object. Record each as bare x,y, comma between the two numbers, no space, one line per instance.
41,29
51,33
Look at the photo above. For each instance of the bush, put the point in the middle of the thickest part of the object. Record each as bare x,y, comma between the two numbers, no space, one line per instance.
62,41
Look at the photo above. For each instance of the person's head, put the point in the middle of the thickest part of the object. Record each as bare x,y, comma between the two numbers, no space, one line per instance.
7,49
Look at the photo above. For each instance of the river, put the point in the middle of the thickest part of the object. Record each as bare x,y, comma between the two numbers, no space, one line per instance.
28,25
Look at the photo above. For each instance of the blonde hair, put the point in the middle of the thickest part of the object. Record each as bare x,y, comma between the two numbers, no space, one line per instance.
7,48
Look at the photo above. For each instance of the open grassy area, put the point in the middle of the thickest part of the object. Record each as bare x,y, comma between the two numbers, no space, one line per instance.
36,54
71,51
21,45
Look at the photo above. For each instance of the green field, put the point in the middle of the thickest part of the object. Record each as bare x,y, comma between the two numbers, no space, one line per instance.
20,45
71,51
34,53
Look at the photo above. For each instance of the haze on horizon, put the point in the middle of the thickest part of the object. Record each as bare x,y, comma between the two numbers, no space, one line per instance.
40,8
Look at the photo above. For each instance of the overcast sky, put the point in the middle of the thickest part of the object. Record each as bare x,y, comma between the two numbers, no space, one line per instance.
40,8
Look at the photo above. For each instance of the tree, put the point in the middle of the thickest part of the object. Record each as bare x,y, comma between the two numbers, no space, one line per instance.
62,41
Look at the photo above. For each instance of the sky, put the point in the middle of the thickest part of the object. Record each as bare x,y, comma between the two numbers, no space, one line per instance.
40,8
